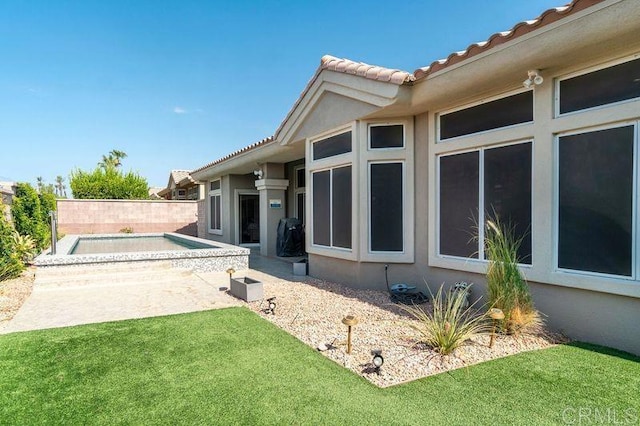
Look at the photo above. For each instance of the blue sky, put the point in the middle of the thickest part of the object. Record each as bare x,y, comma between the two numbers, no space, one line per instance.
177,84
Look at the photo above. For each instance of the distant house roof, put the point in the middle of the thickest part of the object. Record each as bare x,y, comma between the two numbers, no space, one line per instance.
7,187
178,175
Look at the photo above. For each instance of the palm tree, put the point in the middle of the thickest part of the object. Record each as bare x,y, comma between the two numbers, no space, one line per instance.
40,184
60,187
113,160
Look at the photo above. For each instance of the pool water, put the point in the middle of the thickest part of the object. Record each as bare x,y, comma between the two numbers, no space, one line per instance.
130,244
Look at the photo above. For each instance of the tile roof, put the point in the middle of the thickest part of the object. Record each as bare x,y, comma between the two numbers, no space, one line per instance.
233,154
372,72
547,17
399,77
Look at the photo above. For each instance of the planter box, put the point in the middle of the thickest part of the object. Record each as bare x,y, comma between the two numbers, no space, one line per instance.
246,288
300,268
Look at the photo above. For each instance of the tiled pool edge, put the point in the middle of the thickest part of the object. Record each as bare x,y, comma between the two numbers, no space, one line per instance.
218,258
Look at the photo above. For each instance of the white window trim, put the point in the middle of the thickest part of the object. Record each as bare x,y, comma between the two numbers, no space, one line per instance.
336,161
214,193
439,140
561,274
478,265
601,66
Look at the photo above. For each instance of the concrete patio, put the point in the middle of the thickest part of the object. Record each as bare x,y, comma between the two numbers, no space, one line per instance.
67,296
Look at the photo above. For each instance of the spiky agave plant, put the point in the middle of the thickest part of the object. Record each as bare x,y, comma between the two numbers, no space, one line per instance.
448,325
507,287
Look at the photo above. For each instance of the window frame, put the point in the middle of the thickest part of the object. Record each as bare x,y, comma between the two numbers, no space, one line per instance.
403,155
214,193
502,95
387,124
635,239
481,260
327,163
369,208
298,190
584,71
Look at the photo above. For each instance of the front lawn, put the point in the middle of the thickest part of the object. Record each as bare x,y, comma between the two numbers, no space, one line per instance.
232,367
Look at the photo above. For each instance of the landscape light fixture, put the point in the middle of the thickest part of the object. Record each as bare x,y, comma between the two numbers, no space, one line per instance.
496,315
272,305
377,360
533,78
349,321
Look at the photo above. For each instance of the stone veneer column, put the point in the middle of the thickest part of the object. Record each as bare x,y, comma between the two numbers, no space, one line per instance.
270,189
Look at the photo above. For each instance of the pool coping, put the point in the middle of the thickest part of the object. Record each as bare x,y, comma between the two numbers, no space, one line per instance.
218,250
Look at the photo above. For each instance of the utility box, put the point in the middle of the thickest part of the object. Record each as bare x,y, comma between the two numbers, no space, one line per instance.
247,289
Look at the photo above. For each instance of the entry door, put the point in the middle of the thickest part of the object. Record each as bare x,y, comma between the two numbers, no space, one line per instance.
249,219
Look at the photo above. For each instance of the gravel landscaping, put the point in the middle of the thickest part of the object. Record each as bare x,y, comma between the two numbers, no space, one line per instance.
312,311
13,293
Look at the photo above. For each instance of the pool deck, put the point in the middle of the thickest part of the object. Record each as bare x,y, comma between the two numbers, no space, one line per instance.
74,295
213,257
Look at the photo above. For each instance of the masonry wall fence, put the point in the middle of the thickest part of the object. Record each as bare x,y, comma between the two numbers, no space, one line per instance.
113,216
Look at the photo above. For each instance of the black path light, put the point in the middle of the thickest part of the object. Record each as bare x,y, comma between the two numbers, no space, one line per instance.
271,309
377,360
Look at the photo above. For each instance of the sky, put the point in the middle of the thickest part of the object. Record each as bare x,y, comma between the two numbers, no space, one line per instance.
178,84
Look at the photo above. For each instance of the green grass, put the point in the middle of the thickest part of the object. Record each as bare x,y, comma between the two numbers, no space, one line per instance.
232,367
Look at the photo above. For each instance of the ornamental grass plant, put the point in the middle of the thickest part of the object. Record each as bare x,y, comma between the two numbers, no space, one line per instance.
507,287
448,325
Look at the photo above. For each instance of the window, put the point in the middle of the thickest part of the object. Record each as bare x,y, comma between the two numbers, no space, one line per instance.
596,201
332,207
478,185
215,209
617,83
299,192
503,112
386,136
332,146
386,208
182,193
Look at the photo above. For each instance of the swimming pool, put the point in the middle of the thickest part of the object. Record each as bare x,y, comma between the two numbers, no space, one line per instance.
92,245
181,250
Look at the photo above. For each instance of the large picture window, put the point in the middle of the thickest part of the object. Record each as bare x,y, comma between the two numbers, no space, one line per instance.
480,185
332,207
215,224
595,201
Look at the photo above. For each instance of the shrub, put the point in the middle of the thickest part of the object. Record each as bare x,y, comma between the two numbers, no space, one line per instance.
28,215
6,234
507,287
10,268
108,184
449,324
24,247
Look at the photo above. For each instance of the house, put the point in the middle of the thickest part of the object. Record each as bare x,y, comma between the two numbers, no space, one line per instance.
539,124
181,186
